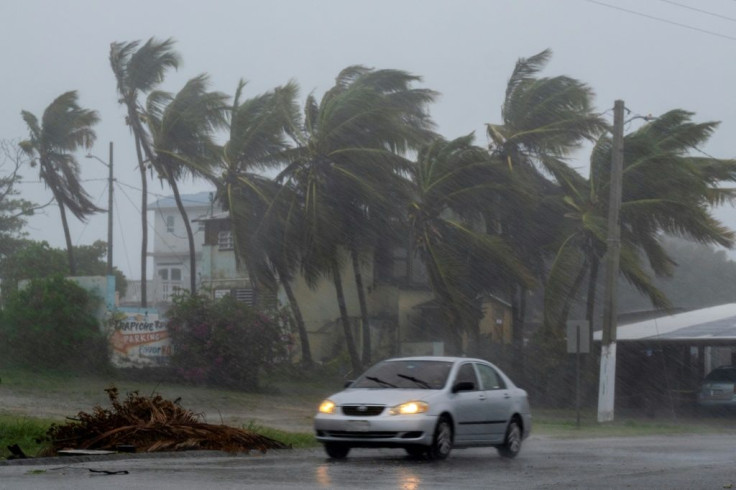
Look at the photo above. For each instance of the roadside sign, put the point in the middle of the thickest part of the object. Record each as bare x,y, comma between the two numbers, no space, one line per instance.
578,337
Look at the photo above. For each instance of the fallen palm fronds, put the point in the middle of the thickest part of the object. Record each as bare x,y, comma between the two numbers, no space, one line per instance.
150,424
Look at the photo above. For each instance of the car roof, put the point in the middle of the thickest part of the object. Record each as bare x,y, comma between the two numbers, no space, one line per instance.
435,358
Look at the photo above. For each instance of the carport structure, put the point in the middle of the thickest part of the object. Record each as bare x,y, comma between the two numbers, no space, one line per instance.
662,360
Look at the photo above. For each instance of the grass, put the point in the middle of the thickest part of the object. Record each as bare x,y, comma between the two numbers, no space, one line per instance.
563,424
28,433
297,440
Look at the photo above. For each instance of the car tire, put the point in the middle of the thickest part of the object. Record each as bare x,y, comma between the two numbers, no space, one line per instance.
512,442
442,440
336,451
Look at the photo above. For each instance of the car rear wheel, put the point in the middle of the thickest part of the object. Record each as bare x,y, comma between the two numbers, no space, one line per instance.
336,451
442,441
512,443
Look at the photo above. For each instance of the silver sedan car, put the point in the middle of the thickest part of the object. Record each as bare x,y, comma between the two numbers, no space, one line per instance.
428,406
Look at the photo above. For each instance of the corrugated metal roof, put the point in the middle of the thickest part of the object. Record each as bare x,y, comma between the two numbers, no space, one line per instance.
713,323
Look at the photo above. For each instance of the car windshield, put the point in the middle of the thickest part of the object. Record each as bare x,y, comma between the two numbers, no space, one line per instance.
430,375
727,375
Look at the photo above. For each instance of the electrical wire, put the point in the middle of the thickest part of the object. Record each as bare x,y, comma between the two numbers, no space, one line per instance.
660,19
695,9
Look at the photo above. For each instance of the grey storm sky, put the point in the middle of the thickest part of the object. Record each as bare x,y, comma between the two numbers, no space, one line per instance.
656,56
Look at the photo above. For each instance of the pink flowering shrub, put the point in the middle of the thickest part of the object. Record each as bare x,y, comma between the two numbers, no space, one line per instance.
222,342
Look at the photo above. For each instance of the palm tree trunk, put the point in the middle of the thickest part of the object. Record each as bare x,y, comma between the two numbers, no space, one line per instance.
366,326
190,236
141,144
144,223
349,341
68,238
297,312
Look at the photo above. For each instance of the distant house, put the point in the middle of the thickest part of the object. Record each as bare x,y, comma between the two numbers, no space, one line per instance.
220,273
170,248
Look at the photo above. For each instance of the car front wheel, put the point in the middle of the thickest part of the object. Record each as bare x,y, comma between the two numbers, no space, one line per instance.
512,443
336,451
442,441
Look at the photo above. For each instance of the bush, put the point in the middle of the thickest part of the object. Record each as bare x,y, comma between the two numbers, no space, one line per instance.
49,324
222,342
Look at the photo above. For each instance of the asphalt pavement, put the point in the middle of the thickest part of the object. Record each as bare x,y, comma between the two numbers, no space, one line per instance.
653,462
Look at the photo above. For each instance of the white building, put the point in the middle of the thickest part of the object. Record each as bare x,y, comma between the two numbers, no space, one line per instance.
170,247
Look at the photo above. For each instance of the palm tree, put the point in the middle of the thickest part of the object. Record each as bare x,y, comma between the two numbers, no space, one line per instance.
545,120
64,127
454,184
665,190
138,70
265,229
348,153
182,128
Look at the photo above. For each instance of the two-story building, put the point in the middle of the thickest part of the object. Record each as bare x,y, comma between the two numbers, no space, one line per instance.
170,248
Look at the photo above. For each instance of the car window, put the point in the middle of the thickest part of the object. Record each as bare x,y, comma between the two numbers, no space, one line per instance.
722,374
490,378
431,375
467,374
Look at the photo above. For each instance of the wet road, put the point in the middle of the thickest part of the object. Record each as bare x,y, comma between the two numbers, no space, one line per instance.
672,462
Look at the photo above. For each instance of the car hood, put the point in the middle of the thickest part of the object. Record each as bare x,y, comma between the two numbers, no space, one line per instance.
381,396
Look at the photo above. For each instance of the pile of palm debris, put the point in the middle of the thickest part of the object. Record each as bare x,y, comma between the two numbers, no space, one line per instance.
148,424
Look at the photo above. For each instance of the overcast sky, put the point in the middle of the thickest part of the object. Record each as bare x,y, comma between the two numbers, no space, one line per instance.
656,56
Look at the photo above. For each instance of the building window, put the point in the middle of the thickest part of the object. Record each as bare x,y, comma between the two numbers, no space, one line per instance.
172,274
225,240
170,224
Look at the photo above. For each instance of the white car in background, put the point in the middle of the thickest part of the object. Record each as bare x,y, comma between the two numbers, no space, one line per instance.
428,406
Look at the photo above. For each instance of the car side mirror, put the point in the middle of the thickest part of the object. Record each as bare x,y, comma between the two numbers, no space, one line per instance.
463,386
348,383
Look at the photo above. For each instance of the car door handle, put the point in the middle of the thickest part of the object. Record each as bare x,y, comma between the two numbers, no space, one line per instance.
506,395
481,397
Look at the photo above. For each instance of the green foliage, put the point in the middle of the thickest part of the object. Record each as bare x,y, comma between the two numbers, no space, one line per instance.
222,342
34,260
28,433
49,324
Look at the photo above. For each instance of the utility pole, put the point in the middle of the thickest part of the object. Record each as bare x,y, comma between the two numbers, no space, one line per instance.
110,181
607,382
109,214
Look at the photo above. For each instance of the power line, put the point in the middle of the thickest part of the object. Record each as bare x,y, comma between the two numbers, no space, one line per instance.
659,19
695,9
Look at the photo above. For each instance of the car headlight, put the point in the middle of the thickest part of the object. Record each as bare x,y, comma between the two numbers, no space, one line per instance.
409,408
327,406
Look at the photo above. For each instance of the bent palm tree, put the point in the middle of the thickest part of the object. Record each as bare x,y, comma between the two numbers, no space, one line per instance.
665,190
138,70
182,130
347,155
454,183
545,119
64,127
265,229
